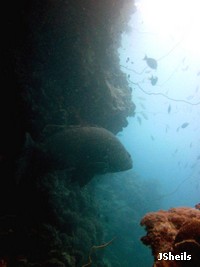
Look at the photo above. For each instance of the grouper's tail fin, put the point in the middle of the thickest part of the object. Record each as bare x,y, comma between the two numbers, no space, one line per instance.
29,143
145,57
23,163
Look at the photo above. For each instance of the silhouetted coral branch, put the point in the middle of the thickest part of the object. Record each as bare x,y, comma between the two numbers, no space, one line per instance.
97,247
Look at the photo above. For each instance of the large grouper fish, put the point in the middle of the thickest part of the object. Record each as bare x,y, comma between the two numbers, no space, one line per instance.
83,151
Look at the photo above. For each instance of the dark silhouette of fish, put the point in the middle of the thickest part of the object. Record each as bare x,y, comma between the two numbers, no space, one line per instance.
184,125
153,80
193,165
82,151
169,109
185,68
175,151
152,138
139,120
142,105
144,115
151,62
183,60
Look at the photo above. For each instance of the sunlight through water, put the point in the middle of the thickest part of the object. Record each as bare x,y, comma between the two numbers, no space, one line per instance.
161,59
173,18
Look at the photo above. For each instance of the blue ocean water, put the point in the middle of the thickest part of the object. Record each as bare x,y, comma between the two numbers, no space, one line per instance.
162,137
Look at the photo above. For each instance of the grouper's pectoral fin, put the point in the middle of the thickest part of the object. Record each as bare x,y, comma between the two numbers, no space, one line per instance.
83,174
82,178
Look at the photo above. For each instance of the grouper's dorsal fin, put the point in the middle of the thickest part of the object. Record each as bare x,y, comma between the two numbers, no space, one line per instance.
52,129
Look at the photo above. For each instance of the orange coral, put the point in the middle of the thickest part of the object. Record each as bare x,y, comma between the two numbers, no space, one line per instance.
176,230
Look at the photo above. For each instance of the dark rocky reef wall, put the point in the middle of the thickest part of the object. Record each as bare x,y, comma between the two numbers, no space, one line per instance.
59,65
66,64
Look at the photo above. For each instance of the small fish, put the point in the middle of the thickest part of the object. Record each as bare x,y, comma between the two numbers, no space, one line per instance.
142,106
139,120
198,158
152,138
151,62
184,125
193,165
128,76
169,109
176,151
191,144
185,68
127,60
153,80
144,115
183,60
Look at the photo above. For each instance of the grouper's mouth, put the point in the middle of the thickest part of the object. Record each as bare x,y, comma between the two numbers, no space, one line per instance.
128,167
129,163
123,167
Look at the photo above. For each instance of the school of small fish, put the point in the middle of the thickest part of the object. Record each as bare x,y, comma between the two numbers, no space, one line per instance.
152,65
